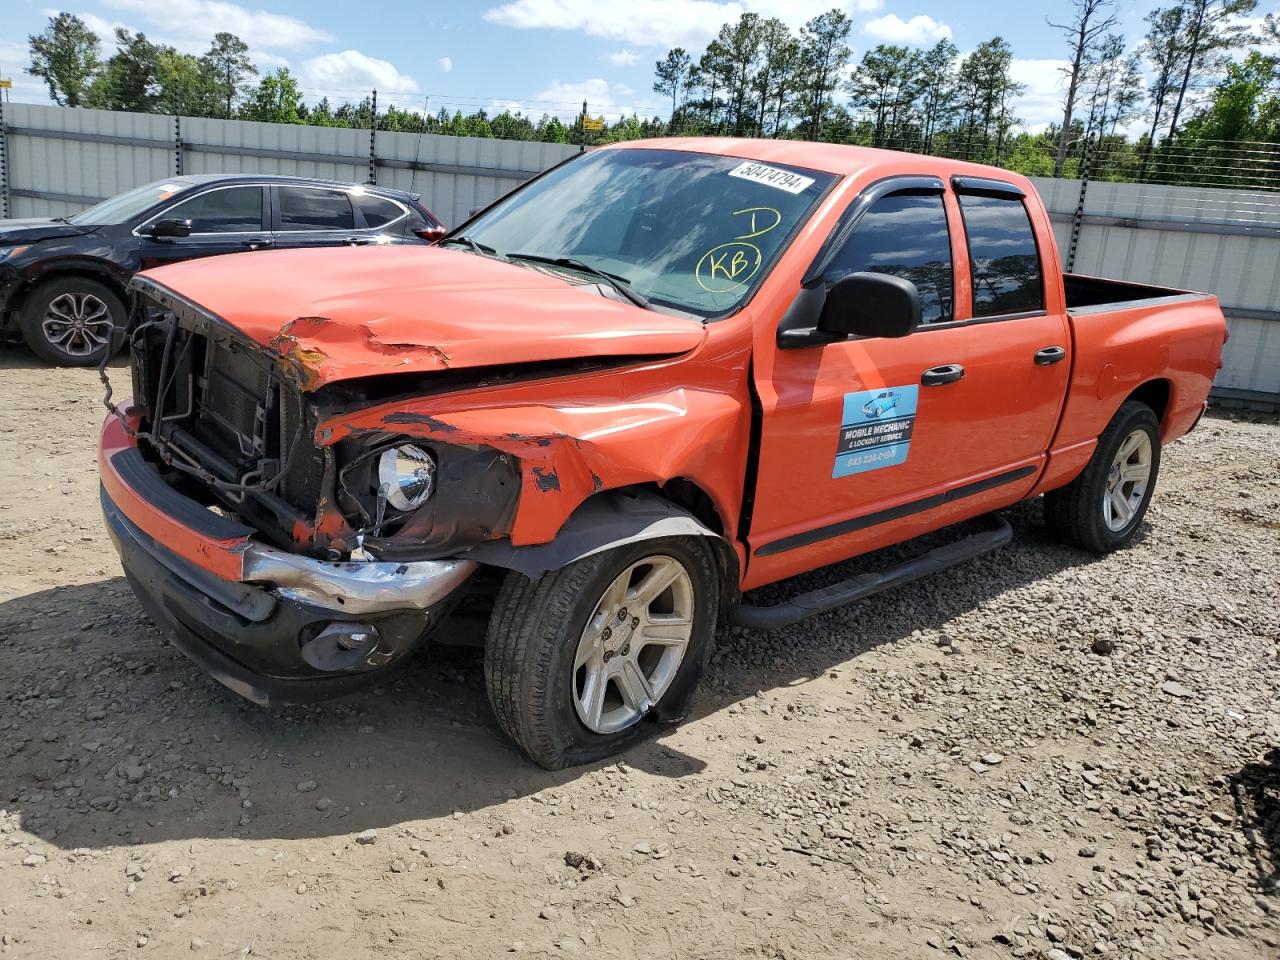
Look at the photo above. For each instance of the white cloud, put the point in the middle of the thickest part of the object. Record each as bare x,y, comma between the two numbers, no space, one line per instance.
624,58
343,75
445,64
564,100
14,59
1041,103
657,23
919,31
191,23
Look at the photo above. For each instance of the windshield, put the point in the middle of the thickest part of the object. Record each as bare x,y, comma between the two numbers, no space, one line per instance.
687,230
127,205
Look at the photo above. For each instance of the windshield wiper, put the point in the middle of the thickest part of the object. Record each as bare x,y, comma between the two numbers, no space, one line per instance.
59,219
619,283
468,242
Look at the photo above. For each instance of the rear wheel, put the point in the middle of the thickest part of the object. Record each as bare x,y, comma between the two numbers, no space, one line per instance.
70,321
577,660
1102,508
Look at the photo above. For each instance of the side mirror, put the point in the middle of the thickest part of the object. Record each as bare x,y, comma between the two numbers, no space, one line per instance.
870,305
167,229
858,304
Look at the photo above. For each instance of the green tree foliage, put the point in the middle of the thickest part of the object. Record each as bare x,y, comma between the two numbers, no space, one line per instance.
130,78
228,60
275,99
824,56
672,76
66,56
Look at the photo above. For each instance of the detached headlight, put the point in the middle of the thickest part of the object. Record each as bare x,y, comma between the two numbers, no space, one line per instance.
408,474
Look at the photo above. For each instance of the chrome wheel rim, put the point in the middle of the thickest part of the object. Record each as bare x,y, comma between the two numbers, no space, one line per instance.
633,644
1127,481
78,324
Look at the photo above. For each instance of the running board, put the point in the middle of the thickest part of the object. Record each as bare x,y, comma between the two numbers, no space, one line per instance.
826,599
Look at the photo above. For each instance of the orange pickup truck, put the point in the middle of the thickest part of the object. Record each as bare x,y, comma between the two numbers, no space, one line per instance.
652,378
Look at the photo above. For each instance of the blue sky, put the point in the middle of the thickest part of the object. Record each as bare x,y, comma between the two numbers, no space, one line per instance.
537,55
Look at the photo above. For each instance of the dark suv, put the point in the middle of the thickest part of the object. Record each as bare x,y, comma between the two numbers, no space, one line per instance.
62,281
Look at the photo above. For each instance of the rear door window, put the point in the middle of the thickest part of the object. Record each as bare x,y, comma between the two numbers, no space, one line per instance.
229,210
1002,256
904,235
311,208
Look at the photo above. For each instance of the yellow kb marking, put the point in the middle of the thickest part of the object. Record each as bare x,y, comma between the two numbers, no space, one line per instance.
728,266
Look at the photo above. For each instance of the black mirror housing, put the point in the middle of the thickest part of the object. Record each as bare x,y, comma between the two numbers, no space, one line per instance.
168,229
858,305
870,305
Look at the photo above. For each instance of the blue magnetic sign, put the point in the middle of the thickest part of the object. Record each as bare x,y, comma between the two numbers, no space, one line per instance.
875,429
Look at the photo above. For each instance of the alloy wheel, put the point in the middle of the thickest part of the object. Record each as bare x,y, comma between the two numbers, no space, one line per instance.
77,324
633,644
1127,481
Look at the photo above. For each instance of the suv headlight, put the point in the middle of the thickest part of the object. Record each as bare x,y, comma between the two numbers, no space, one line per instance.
408,475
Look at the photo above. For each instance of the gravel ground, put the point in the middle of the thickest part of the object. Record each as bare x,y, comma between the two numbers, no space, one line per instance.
1041,754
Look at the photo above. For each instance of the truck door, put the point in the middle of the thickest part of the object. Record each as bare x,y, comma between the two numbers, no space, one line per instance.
869,441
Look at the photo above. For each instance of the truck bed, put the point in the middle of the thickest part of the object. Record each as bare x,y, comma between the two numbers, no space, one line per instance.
1088,294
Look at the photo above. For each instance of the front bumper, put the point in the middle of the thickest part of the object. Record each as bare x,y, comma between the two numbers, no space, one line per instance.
274,627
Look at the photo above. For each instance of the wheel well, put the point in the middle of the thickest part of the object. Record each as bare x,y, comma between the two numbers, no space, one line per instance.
103,277
689,496
1155,394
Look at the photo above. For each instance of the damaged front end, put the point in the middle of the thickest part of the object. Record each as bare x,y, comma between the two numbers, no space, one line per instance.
288,569
233,423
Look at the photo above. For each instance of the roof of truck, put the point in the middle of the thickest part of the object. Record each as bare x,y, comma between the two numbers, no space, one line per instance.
837,158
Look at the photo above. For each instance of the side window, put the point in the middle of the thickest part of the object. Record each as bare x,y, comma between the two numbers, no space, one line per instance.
378,211
308,208
905,235
1002,256
231,210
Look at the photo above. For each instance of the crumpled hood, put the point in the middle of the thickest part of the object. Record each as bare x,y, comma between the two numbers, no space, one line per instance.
31,230
342,312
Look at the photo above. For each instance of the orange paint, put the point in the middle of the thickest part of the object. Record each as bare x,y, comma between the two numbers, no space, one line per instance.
675,399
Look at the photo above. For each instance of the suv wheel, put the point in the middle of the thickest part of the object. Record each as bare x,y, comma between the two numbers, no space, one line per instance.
579,659
70,322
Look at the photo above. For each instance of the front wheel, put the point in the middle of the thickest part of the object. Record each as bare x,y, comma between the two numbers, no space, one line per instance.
579,659
70,322
1102,508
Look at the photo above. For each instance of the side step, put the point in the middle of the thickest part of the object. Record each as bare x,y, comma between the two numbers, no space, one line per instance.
825,599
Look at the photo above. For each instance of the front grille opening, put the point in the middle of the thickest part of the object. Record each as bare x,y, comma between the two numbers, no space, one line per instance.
223,418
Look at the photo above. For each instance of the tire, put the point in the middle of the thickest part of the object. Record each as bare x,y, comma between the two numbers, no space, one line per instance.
69,322
540,695
1087,511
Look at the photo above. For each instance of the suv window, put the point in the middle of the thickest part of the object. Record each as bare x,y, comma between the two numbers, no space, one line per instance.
904,235
378,211
309,208
1002,256
230,210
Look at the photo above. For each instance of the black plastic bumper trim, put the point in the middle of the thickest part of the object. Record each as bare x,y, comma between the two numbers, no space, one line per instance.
145,480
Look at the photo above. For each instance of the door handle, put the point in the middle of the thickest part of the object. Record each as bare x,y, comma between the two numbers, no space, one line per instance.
937,376
257,242
358,241
1048,355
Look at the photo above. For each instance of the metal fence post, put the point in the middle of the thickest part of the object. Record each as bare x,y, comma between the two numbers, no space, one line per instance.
373,134
4,166
177,145
1077,218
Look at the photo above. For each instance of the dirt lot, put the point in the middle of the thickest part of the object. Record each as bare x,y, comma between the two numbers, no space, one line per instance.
1038,755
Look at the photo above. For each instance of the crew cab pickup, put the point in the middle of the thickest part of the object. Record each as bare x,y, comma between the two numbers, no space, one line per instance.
651,379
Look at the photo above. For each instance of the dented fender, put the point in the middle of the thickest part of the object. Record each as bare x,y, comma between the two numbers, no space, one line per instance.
571,450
